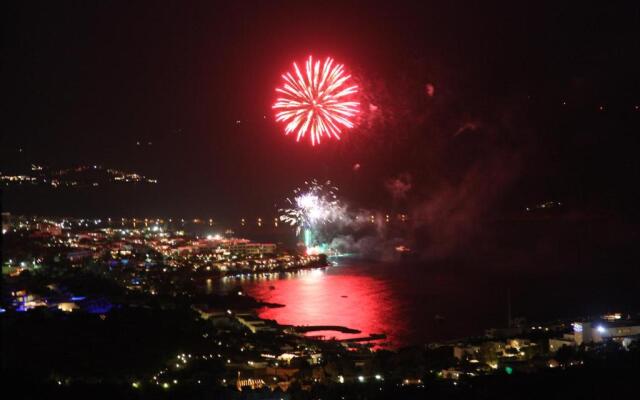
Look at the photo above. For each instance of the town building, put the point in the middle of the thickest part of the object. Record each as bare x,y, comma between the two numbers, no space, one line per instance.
622,331
568,339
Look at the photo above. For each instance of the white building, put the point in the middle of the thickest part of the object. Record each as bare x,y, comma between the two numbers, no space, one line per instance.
244,248
623,331
254,323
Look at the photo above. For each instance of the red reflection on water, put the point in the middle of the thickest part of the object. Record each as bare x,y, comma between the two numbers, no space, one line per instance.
317,298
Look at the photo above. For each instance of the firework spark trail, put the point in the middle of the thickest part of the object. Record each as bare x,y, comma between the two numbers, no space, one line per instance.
312,206
317,102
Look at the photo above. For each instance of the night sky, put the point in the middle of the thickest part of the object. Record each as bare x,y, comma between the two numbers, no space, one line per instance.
531,103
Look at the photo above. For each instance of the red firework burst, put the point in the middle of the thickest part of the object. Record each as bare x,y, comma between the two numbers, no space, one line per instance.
318,102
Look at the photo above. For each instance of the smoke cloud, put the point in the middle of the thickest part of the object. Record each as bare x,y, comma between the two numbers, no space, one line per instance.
399,186
438,224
